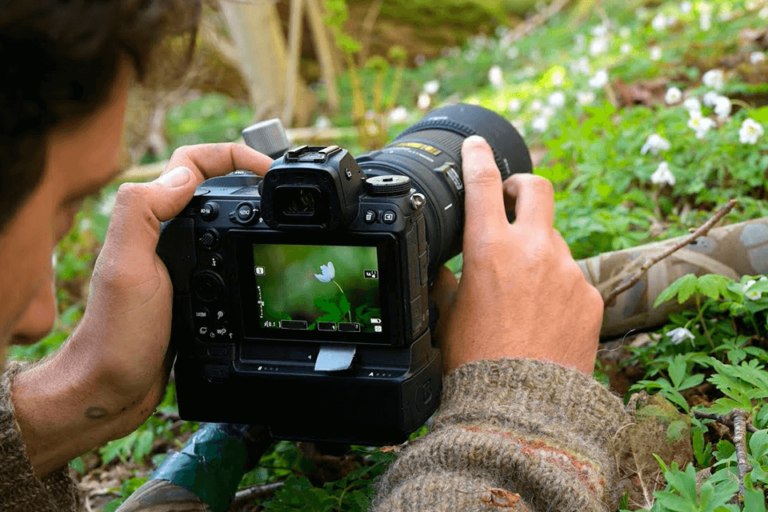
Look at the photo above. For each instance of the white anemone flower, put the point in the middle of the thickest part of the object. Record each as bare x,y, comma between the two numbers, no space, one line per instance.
722,107
556,99
763,14
540,124
424,101
679,335
625,32
754,294
655,53
585,98
701,125
513,53
713,78
495,77
756,57
598,46
663,176
582,66
536,105
514,105
750,131
674,95
659,22
693,106
625,48
655,143
686,7
710,98
432,87
599,80
398,115
705,22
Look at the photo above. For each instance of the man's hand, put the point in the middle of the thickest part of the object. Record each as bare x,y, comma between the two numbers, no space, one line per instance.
521,293
112,372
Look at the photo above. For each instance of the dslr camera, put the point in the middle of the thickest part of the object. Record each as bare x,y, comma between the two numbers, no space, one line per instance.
301,299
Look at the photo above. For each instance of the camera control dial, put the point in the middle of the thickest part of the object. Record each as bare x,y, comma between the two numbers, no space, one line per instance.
207,286
388,185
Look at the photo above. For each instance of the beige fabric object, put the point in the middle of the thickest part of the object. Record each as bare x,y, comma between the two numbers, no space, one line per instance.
732,251
514,434
20,489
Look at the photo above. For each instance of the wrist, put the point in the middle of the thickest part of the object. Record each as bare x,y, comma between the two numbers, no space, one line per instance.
62,410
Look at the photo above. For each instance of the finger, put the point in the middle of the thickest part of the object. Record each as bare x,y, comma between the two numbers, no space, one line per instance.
209,160
534,200
484,194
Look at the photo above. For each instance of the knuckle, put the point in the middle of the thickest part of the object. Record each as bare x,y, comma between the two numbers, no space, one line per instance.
129,193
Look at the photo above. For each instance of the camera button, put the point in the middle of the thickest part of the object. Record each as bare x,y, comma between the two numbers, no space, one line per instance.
215,261
216,371
207,286
217,351
389,217
209,239
245,212
370,217
202,314
209,211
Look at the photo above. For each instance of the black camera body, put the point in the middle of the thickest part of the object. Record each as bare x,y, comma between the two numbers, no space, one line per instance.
301,299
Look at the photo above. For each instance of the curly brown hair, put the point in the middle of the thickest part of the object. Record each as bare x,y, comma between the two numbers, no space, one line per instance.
60,59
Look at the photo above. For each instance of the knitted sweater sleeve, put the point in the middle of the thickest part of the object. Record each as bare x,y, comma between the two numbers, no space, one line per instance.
20,489
515,434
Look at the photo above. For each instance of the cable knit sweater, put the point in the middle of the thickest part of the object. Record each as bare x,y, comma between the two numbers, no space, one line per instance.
516,434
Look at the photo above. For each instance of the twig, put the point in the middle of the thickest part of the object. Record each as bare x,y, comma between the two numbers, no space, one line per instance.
368,23
701,231
529,25
740,441
725,420
255,492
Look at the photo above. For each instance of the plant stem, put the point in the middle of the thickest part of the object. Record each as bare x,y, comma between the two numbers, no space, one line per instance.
349,313
703,323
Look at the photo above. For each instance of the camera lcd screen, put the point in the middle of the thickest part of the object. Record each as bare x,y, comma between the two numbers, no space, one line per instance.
317,288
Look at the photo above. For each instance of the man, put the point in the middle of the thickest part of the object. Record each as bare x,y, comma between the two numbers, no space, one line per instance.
521,423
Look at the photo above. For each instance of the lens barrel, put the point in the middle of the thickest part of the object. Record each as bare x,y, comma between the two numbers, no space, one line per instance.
429,152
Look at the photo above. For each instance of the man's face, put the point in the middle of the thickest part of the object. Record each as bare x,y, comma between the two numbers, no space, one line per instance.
81,159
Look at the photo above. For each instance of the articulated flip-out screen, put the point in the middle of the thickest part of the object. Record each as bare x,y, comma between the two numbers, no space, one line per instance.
318,288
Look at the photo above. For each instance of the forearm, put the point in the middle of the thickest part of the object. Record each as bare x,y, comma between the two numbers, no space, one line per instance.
63,410
512,433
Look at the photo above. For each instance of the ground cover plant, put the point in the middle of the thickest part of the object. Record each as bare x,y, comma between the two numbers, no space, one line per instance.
647,116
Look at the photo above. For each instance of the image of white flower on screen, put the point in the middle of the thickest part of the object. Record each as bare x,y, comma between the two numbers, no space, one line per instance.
713,78
432,87
722,107
600,79
663,176
674,95
495,77
750,131
701,125
327,273
655,143
679,335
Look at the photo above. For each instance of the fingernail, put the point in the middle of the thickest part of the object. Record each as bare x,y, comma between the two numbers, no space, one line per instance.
475,139
175,178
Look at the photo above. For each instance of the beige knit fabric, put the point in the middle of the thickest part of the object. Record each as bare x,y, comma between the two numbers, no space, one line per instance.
513,434
20,490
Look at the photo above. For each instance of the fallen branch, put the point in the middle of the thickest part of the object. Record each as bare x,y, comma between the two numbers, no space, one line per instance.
725,420
740,441
701,231
531,24
254,493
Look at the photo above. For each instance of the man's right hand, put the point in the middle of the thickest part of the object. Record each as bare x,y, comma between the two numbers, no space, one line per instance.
521,293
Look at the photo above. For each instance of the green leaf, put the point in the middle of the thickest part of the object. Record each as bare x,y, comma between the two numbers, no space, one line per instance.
684,286
688,286
344,305
713,285
760,115
677,370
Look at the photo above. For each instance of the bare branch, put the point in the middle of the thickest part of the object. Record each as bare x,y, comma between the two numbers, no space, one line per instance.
725,420
534,22
740,441
701,231
254,493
